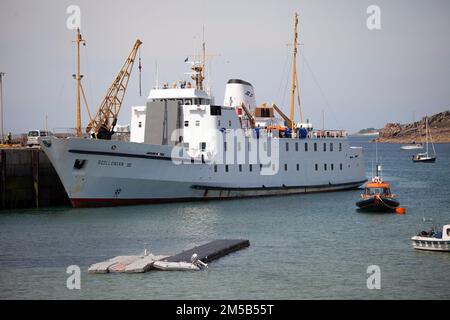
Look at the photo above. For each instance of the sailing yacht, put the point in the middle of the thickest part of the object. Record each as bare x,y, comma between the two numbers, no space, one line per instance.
414,145
426,157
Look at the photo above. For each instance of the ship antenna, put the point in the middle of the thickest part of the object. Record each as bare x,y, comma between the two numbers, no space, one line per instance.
156,75
372,167
140,69
376,159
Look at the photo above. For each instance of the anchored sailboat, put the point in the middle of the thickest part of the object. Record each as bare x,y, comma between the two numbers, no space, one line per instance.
413,145
426,157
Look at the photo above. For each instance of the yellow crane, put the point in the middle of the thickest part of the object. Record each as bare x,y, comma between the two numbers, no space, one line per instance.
250,117
289,122
102,125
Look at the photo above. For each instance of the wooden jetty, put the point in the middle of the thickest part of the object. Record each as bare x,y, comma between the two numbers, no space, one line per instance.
126,264
143,263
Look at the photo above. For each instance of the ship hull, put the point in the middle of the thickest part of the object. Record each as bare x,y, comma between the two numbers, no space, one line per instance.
98,173
425,160
377,205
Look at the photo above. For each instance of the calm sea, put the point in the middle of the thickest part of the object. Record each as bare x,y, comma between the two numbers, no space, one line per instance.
302,247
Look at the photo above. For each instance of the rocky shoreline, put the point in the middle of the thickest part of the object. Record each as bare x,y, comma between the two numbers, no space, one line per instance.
439,125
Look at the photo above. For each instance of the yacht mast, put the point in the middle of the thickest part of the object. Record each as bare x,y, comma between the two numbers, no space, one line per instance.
426,131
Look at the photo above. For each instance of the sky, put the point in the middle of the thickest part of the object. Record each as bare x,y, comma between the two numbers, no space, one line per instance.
355,77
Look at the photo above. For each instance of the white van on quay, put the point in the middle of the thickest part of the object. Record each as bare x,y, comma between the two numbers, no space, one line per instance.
33,136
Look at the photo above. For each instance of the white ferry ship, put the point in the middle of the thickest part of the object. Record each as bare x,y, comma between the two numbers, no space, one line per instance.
184,147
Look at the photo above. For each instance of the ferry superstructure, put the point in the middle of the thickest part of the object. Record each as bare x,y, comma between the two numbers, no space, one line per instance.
184,147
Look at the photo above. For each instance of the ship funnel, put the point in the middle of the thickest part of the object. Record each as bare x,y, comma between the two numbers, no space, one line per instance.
237,92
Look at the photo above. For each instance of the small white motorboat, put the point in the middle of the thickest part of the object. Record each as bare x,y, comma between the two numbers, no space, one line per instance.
433,240
195,264
175,266
414,146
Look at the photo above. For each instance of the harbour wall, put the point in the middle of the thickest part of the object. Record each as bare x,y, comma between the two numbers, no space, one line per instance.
28,180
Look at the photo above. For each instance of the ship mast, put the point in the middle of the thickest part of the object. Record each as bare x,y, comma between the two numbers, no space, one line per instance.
80,92
78,40
294,72
199,68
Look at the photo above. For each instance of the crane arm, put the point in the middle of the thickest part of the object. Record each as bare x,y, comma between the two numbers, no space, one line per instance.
285,118
249,115
102,125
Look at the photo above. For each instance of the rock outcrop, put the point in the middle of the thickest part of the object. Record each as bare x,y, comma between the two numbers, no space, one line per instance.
439,125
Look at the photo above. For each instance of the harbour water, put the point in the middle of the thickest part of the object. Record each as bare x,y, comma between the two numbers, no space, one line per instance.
314,246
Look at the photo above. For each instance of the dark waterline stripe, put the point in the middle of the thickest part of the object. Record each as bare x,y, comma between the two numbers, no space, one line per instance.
119,154
278,187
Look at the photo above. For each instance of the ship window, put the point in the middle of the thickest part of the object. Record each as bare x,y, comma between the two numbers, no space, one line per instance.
226,168
79,164
250,168
197,123
215,168
140,124
186,123
306,146
296,146
448,231
229,123
340,166
315,146
325,166
215,110
187,101
324,147
331,146
285,167
316,167
202,146
332,167
260,167
287,146
298,167
340,147
240,168
265,112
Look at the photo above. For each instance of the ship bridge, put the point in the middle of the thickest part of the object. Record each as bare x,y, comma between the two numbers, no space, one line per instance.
186,96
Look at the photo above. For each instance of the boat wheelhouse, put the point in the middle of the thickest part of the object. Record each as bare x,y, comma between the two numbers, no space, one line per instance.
433,240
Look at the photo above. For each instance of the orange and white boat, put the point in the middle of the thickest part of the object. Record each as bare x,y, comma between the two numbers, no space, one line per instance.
377,196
